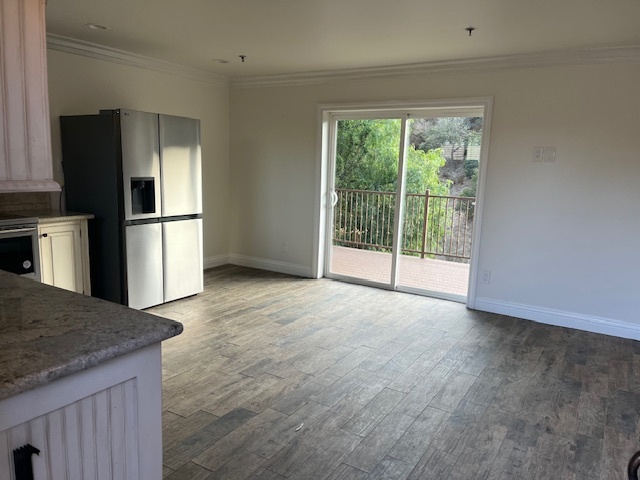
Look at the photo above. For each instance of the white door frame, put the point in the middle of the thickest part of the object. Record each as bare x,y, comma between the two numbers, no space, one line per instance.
326,145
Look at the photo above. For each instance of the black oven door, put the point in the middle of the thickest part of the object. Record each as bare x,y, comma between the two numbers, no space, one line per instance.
17,254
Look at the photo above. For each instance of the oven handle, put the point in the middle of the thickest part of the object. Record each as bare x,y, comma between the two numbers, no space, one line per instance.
18,230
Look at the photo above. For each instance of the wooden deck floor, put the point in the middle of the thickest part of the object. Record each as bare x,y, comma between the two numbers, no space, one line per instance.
423,273
279,377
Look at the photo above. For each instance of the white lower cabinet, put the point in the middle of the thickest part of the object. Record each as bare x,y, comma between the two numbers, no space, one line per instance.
114,433
95,434
64,255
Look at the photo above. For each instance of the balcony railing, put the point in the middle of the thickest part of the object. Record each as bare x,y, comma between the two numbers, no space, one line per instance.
434,225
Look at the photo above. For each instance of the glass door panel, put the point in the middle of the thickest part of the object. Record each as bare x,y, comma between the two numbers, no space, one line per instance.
441,178
364,198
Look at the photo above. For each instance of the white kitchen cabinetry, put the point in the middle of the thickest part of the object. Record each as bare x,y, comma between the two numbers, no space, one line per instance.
64,255
100,423
25,137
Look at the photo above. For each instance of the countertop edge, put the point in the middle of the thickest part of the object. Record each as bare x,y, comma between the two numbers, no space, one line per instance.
83,362
43,220
53,216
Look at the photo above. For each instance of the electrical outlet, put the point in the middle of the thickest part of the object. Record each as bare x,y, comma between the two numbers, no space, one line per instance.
485,277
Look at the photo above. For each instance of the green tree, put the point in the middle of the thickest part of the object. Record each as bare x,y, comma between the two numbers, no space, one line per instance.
458,132
367,159
422,172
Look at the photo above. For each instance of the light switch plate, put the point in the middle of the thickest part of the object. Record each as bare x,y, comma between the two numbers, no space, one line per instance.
537,154
549,154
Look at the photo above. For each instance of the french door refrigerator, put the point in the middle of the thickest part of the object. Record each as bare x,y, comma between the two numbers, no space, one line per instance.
140,175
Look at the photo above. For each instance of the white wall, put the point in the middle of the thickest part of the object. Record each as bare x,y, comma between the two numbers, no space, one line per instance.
560,239
82,85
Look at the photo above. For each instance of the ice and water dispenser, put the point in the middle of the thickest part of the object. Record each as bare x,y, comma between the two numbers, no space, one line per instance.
143,197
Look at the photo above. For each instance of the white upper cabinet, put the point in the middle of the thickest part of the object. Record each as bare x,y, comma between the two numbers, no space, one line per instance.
25,135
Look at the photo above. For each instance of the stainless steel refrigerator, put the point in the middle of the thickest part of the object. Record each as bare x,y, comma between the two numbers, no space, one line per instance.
140,175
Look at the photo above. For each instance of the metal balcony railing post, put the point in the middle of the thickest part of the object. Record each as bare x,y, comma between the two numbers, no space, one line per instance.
424,225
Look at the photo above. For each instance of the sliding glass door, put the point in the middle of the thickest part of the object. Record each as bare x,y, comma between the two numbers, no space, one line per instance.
442,175
365,181
402,191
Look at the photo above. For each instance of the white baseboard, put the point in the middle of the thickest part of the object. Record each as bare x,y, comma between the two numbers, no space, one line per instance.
270,265
215,261
560,318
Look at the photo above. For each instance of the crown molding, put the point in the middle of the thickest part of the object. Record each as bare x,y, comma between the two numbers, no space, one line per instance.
585,56
108,54
543,59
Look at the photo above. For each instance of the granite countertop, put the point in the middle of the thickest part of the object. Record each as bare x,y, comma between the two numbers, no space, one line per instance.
47,333
52,216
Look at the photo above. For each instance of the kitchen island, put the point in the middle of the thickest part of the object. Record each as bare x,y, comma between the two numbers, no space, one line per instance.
80,380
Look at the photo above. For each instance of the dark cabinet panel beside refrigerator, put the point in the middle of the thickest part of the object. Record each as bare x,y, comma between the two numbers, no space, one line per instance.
140,175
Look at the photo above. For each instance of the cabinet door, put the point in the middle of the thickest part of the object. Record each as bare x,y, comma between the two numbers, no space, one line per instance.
91,439
61,260
25,143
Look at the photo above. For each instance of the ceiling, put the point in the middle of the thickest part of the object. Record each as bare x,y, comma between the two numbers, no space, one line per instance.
293,36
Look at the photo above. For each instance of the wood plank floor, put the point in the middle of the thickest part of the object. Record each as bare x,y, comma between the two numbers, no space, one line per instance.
279,377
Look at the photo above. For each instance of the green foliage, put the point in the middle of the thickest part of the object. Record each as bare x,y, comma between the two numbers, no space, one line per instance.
367,159
365,154
460,132
470,168
471,191
471,171
422,172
